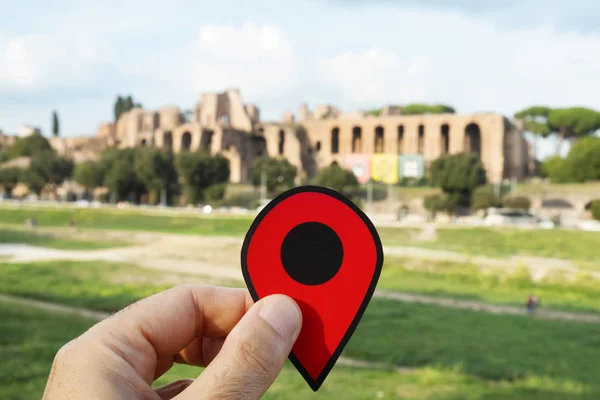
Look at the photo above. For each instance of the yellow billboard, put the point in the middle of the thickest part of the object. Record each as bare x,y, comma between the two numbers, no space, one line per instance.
384,168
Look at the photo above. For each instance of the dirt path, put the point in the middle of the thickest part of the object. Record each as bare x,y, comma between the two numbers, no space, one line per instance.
218,257
56,308
486,307
99,316
539,267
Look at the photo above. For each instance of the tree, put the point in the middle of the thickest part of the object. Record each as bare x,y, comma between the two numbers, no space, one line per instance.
89,174
279,173
337,178
458,175
118,108
420,109
55,124
123,105
29,146
583,160
582,164
156,170
9,178
199,171
555,168
120,177
569,123
535,121
47,169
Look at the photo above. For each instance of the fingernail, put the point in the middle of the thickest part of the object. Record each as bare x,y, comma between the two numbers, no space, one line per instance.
283,315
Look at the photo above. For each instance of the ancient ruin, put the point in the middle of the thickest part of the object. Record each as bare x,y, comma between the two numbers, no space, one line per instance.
386,147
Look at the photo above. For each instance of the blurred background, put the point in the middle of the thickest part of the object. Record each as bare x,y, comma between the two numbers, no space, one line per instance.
139,139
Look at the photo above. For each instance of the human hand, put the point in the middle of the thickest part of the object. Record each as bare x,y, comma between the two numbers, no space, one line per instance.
243,346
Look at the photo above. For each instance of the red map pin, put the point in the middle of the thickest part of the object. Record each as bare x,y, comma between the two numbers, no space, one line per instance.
316,246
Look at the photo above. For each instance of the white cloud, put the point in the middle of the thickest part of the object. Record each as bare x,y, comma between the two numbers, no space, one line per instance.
258,59
376,76
36,61
474,67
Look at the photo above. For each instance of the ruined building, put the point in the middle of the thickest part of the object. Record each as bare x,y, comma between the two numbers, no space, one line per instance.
386,148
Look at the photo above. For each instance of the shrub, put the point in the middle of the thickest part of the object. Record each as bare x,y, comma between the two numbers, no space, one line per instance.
595,208
215,192
517,203
337,178
279,173
484,197
458,175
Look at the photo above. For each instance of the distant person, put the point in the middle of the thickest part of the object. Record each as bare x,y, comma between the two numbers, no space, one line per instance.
532,303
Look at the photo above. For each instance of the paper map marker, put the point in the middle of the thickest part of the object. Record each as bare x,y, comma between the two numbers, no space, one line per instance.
316,246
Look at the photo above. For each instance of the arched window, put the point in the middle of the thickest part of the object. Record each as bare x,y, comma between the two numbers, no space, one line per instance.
445,138
281,142
335,140
400,139
379,139
473,139
421,140
318,146
186,141
356,139
206,140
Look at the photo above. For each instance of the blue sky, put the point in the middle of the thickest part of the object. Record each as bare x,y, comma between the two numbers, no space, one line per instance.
493,55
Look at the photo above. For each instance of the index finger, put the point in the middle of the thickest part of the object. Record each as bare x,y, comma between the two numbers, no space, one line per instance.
163,324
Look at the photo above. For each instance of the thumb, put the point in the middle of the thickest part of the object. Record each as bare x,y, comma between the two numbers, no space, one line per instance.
253,353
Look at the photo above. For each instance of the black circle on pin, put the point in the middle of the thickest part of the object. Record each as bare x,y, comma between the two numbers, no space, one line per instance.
312,253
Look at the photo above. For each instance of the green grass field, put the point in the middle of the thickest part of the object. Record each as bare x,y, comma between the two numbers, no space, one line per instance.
30,339
455,353
63,242
496,286
128,220
446,353
556,243
96,285
579,246
108,286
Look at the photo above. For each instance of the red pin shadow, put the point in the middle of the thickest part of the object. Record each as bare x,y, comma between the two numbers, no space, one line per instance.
316,246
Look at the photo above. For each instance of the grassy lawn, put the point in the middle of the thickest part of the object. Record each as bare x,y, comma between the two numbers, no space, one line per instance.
486,346
31,337
96,285
557,243
574,245
9,235
498,285
128,220
108,286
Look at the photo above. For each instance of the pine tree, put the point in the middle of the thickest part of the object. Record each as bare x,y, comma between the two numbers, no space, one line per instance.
55,124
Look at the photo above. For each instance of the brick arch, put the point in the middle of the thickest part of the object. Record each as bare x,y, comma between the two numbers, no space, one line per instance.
445,129
180,137
379,140
357,139
473,138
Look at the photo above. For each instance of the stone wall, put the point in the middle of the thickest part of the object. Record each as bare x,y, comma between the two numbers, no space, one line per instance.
222,123
428,135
